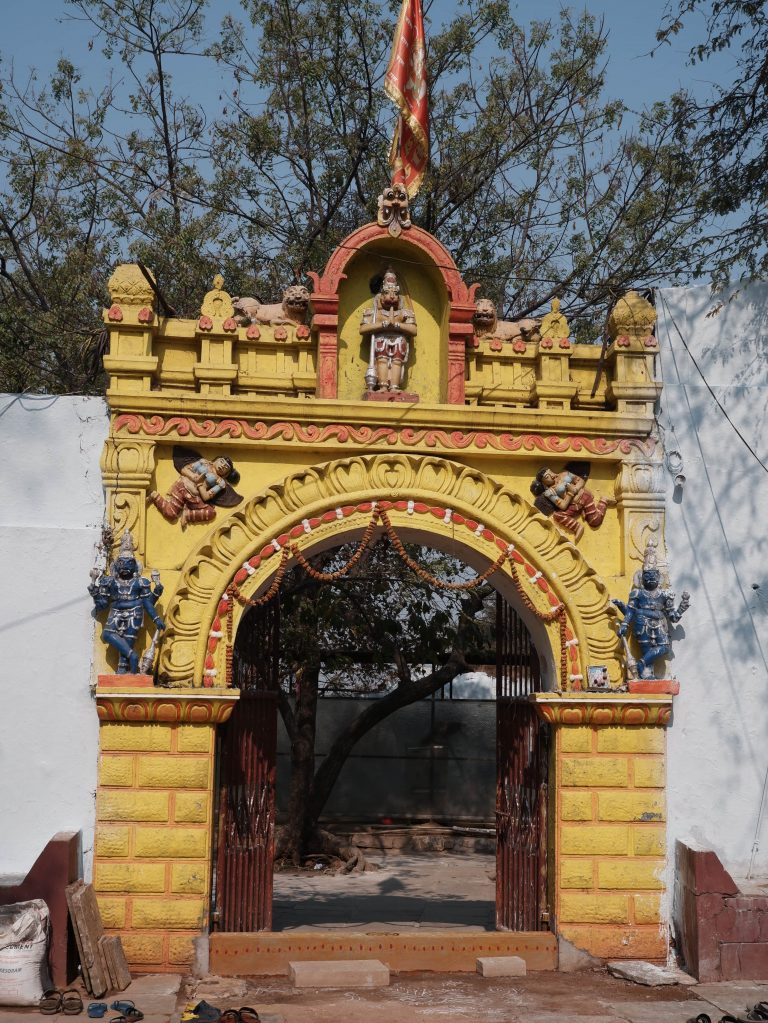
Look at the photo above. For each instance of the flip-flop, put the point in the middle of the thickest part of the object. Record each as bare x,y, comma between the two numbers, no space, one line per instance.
249,1015
50,1003
71,1002
203,1012
97,1009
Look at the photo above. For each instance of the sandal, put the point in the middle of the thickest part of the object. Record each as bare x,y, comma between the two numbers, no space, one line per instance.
758,1011
129,1016
249,1015
203,1012
97,1009
230,1016
71,1002
122,1007
50,1003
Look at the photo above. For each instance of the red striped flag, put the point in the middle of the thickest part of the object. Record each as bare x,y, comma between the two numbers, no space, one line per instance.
406,85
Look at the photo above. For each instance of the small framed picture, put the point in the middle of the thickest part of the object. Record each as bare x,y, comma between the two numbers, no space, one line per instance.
597,677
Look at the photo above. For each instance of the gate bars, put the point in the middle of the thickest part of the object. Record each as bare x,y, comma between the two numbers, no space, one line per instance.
247,756
521,780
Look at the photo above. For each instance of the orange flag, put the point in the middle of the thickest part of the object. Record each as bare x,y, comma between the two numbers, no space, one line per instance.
406,85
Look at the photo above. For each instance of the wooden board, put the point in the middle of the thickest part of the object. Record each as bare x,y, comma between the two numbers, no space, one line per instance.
88,928
106,955
69,893
123,974
117,966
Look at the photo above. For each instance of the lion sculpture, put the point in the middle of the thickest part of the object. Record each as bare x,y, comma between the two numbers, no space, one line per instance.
487,324
293,309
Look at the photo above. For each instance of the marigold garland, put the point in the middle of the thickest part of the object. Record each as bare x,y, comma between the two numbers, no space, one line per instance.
233,591
440,584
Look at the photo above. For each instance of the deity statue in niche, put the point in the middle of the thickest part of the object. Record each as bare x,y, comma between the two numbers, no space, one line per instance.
389,323
201,485
129,596
647,615
564,496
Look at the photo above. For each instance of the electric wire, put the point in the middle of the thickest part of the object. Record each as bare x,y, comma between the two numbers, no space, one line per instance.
734,427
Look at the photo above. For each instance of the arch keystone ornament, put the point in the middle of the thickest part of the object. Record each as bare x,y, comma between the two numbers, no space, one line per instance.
428,500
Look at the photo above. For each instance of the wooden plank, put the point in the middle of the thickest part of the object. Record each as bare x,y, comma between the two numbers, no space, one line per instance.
69,893
106,955
88,928
119,964
95,928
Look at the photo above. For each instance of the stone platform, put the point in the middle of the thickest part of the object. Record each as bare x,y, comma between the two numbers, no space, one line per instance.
269,953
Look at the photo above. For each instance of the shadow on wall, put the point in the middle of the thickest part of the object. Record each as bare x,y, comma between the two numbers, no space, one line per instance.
717,539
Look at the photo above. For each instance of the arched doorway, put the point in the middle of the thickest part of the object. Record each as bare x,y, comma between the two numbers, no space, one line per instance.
245,839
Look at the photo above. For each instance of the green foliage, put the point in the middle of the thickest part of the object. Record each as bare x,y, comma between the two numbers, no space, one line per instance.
380,626
537,184
731,138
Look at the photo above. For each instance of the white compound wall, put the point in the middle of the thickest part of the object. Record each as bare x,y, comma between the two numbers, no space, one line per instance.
50,521
717,539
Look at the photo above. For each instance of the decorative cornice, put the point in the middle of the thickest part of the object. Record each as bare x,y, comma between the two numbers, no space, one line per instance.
211,707
603,709
369,436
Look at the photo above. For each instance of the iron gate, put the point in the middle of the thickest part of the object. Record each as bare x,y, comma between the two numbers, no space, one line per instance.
521,780
242,889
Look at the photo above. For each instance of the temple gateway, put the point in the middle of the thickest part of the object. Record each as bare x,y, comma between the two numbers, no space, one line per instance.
386,398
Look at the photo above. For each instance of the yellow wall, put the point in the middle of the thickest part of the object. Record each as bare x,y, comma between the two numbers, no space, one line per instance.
611,842
153,841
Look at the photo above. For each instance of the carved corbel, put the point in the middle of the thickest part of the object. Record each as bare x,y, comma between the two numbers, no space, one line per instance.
127,464
640,503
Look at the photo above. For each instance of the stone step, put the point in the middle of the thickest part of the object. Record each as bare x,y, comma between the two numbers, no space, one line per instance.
501,966
268,953
339,974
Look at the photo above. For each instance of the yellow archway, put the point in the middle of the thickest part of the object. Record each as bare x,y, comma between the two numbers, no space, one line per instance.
434,500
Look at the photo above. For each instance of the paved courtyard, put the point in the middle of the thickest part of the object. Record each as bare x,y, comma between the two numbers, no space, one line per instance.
435,890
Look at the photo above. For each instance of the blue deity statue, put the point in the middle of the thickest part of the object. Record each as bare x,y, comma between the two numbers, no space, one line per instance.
648,614
129,596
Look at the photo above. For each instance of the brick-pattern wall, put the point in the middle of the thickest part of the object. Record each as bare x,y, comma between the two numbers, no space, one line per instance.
611,839
153,838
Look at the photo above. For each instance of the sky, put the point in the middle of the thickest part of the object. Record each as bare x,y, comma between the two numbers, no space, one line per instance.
37,33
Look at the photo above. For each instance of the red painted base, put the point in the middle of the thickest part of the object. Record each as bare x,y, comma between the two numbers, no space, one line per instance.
654,685
405,396
125,681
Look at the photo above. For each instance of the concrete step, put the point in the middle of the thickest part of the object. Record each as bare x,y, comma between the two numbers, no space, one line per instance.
265,953
334,974
501,966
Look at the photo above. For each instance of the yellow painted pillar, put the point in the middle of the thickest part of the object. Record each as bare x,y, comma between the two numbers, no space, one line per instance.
610,831
154,807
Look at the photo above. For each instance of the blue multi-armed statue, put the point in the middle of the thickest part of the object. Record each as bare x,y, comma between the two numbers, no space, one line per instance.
129,596
648,614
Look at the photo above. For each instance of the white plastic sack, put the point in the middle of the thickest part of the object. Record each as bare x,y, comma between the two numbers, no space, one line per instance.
24,974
